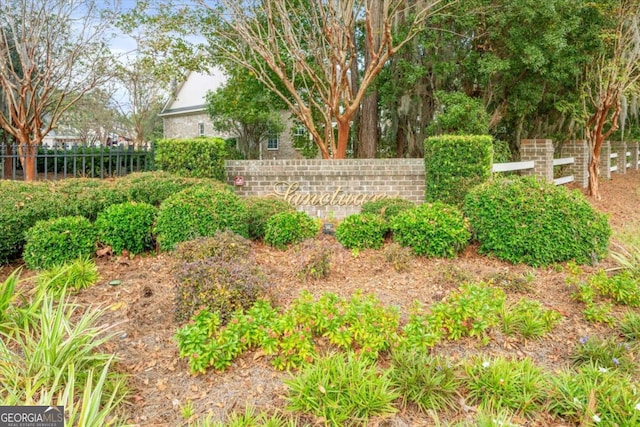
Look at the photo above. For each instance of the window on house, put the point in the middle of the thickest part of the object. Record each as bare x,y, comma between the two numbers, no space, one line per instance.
300,131
272,141
200,129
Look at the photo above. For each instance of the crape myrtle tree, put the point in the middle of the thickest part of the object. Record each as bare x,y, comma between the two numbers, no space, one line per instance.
613,72
51,54
304,52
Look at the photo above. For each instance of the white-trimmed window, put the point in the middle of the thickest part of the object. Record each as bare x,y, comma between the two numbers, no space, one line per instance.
273,141
300,131
200,129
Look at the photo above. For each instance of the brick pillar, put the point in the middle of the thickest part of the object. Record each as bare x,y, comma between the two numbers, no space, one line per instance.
633,148
621,149
605,160
579,150
541,152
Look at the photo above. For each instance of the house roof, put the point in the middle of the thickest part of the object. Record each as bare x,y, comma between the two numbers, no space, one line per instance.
190,95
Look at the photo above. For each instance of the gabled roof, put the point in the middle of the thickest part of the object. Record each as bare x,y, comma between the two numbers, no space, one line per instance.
190,95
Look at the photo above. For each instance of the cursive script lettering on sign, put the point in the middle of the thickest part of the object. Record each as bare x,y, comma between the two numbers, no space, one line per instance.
290,192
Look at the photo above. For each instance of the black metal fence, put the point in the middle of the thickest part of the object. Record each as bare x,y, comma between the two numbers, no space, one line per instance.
69,161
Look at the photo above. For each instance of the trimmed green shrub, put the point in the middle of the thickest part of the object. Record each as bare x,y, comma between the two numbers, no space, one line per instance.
87,197
360,231
154,187
59,240
387,208
21,206
260,209
454,164
199,211
287,228
127,226
225,245
219,286
198,157
459,114
527,220
432,229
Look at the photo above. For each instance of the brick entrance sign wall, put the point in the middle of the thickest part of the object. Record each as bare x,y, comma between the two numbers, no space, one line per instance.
329,188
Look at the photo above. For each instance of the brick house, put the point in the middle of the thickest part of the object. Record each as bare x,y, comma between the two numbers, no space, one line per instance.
185,116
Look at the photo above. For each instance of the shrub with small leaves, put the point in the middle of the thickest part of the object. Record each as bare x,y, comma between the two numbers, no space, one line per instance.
360,231
432,229
431,382
59,240
218,286
527,220
260,209
199,211
623,288
398,256
287,228
387,208
313,259
501,383
127,226
76,275
342,390
225,245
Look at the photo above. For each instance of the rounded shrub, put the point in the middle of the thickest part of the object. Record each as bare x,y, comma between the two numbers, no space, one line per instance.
360,231
432,229
527,220
225,245
387,208
260,209
199,211
219,286
286,228
87,197
127,226
59,240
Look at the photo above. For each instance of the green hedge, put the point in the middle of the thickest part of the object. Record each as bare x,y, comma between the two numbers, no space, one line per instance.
127,226
455,163
198,157
199,211
528,220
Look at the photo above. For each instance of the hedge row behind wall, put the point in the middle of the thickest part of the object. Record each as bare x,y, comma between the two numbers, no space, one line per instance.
197,157
455,163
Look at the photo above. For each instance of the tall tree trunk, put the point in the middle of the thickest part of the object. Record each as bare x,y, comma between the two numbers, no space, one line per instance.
27,153
594,176
343,139
369,133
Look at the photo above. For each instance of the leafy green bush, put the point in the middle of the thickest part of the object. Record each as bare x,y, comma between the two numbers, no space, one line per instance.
225,245
127,226
459,114
59,240
454,164
198,157
199,211
341,390
387,208
87,197
527,220
21,206
287,228
219,286
260,209
360,231
432,229
154,187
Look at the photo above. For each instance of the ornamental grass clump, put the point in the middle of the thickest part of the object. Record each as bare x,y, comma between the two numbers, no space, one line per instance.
432,230
79,274
342,390
527,220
